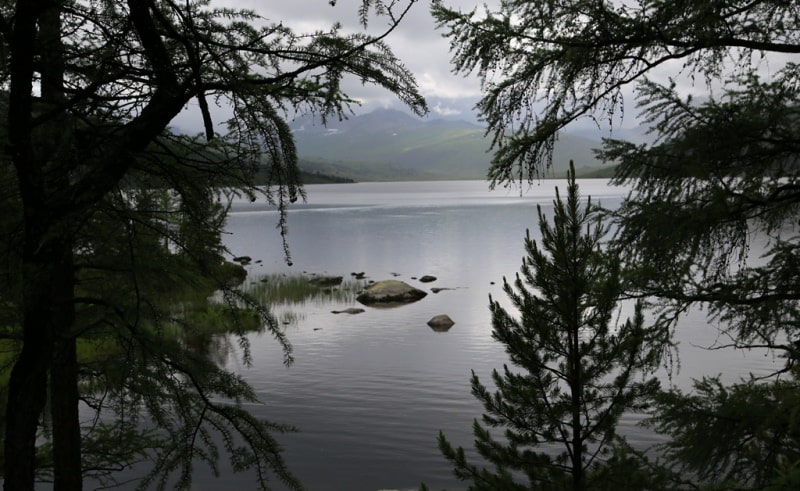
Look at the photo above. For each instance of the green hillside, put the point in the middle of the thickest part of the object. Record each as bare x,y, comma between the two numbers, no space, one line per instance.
391,145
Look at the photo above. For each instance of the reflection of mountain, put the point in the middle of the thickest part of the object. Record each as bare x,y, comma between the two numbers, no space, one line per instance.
391,145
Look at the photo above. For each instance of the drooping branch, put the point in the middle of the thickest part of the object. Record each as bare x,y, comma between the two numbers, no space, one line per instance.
546,64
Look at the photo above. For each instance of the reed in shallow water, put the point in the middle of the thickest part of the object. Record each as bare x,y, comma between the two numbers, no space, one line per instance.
298,289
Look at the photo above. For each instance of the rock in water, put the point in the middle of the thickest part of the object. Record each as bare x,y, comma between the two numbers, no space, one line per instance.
390,292
349,310
437,290
427,278
441,322
326,280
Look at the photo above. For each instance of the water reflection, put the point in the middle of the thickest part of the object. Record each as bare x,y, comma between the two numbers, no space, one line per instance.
370,392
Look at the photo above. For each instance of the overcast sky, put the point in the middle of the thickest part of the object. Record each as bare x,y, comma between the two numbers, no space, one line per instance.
416,42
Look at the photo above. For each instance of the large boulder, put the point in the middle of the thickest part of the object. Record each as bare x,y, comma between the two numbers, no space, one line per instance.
390,292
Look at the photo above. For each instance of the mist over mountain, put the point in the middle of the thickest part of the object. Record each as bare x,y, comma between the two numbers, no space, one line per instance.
388,144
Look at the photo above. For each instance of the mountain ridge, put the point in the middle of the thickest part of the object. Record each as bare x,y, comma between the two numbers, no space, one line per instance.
387,144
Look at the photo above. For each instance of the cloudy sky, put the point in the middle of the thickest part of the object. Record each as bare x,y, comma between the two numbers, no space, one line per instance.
416,42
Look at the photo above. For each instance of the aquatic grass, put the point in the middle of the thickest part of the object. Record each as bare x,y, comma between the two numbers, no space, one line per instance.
298,290
290,317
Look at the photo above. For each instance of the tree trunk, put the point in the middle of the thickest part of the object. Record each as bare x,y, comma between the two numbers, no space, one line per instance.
27,393
66,425
44,273
47,278
55,143
27,390
64,397
576,399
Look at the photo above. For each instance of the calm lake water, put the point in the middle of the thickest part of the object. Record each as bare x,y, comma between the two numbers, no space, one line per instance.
370,392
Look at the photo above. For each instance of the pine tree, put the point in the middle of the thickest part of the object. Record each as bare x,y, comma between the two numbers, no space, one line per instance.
575,369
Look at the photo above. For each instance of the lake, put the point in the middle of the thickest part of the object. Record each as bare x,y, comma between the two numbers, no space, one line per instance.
370,392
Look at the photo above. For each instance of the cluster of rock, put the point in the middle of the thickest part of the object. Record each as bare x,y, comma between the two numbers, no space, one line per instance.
386,293
396,292
245,260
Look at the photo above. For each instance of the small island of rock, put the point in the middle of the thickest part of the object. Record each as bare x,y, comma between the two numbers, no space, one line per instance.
390,292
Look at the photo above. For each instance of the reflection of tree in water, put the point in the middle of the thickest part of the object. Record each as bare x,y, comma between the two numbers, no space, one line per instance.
217,348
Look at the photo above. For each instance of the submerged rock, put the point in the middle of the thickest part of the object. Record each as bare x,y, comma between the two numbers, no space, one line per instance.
349,310
389,292
326,280
441,322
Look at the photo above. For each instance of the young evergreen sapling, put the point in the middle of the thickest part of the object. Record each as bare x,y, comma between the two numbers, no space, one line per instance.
575,368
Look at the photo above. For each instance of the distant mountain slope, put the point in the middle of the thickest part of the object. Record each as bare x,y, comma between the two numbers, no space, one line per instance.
390,145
